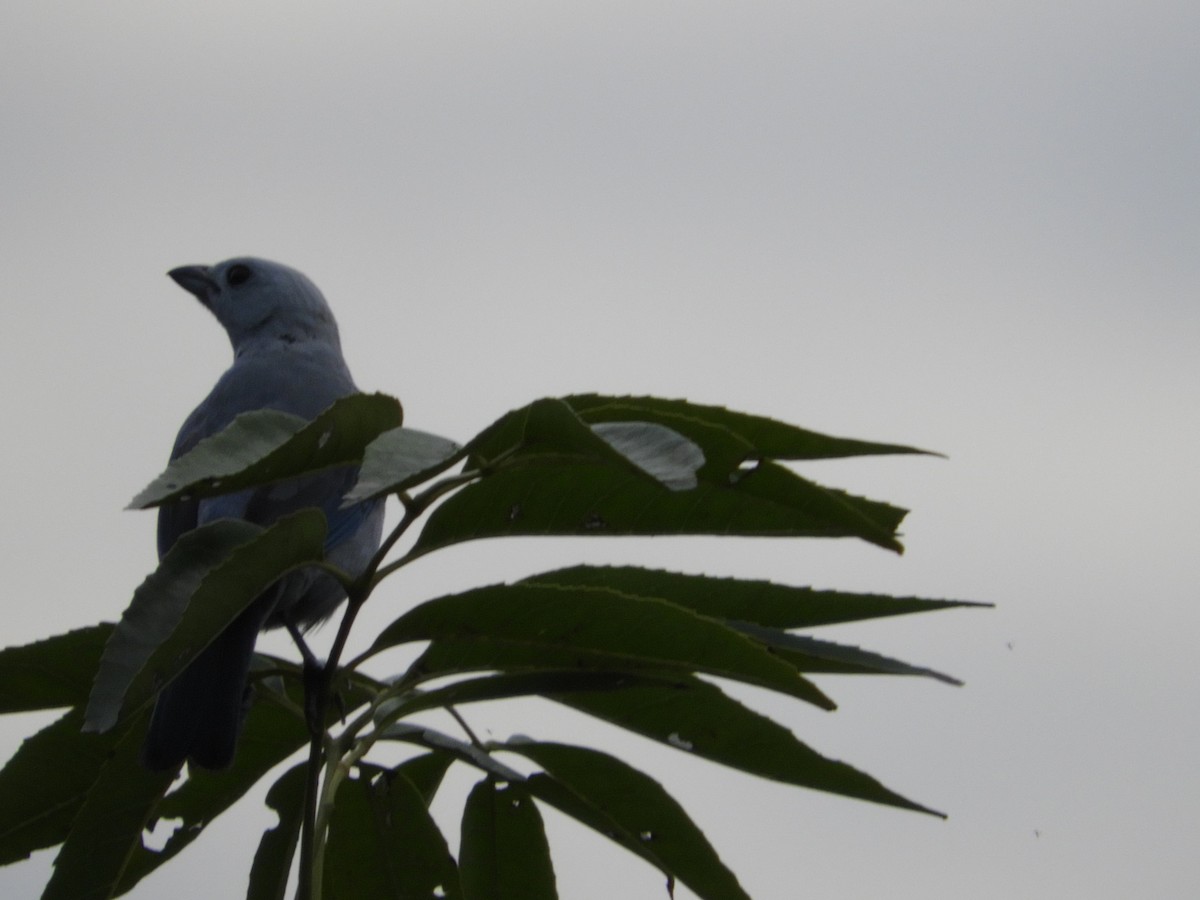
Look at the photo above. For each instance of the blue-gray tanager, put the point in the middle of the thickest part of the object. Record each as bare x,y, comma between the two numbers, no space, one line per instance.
287,357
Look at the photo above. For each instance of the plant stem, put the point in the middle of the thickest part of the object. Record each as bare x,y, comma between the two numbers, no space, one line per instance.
312,844
315,822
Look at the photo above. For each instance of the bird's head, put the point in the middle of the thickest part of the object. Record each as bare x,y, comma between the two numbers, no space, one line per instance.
258,301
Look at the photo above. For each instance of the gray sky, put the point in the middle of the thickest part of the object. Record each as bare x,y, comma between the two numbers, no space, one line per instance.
972,227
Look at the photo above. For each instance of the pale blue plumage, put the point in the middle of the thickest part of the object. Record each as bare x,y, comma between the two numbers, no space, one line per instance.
287,357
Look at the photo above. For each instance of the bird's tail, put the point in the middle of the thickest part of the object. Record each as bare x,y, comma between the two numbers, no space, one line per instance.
198,716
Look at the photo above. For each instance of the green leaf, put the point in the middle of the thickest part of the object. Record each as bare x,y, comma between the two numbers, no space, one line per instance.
770,439
809,654
264,446
746,605
587,499
547,431
384,844
106,832
545,473
504,854
545,428
273,861
699,718
400,458
425,773
46,781
272,732
506,685
763,602
518,625
210,576
51,673
89,791
632,809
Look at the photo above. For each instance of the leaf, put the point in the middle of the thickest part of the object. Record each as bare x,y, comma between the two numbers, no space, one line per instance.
770,439
746,605
547,431
210,576
384,844
504,854
58,771
107,829
425,773
699,718
517,625
809,654
632,809
51,673
273,861
587,499
272,732
506,685
264,446
400,458
45,782
763,602
87,792
545,475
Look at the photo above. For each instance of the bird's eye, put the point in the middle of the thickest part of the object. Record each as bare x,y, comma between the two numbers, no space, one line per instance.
238,274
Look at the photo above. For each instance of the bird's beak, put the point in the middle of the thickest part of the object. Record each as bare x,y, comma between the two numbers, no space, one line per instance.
195,280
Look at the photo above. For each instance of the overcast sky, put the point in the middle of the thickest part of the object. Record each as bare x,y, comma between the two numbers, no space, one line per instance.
971,227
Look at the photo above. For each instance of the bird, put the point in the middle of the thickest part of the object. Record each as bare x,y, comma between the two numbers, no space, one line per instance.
287,356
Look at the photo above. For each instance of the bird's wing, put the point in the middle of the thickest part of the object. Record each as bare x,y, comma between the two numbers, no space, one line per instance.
303,382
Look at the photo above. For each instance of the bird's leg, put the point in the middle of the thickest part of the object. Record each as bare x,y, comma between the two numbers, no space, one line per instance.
314,682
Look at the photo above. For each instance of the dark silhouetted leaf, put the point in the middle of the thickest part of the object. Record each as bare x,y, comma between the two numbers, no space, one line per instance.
587,498
632,809
763,602
211,575
809,654
425,773
106,832
52,673
513,684
273,861
699,718
597,627
770,439
549,432
383,844
272,732
504,854
46,781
